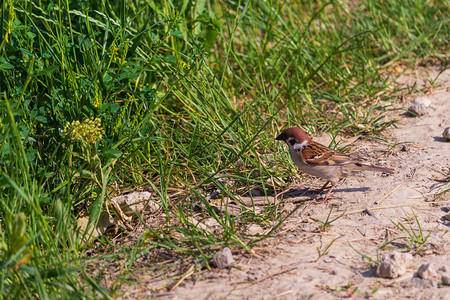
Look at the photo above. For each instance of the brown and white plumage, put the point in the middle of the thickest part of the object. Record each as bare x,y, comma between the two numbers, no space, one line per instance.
319,160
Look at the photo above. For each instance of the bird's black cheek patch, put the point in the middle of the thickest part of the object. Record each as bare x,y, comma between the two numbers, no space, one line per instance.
292,141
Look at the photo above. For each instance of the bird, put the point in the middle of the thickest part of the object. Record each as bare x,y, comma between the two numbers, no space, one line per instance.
320,161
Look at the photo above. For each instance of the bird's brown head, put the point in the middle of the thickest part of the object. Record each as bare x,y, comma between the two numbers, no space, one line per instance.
293,135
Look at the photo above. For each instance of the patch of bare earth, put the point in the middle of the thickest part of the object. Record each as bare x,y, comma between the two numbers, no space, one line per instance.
305,261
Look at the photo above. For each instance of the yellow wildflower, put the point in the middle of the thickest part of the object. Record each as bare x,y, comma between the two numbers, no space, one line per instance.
184,65
88,131
97,97
12,17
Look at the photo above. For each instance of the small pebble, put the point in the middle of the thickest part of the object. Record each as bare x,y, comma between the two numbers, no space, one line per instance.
417,109
95,273
445,279
213,195
427,271
447,217
223,259
211,222
136,202
446,133
422,283
393,265
288,206
253,229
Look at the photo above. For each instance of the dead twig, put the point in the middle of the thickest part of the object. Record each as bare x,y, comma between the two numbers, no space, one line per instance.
390,193
186,275
270,276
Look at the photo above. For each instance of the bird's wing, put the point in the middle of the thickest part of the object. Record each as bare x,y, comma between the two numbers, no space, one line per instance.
318,154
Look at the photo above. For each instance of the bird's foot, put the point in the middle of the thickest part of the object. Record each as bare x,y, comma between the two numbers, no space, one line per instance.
328,195
324,199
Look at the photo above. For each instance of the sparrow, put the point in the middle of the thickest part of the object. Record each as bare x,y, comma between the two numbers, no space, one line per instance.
319,160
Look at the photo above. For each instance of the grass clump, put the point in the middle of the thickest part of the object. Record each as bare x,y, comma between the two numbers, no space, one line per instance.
416,240
183,98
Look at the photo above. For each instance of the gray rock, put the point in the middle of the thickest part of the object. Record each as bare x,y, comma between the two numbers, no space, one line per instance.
223,259
445,279
423,283
393,265
427,271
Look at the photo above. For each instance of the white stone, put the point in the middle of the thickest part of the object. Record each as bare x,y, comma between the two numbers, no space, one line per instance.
223,258
136,202
393,265
417,109
253,229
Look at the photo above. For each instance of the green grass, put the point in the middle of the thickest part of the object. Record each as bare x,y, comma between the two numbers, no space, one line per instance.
190,95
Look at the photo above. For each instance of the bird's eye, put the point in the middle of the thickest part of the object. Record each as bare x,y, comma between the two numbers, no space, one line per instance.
292,141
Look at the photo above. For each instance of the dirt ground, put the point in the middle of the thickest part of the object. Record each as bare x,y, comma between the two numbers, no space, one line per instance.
289,266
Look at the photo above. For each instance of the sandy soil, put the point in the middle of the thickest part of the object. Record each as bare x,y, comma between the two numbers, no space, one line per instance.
289,266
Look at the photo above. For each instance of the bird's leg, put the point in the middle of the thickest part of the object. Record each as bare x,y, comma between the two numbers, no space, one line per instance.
324,186
328,194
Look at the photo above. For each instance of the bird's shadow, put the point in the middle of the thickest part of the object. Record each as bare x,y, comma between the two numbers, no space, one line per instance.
297,192
408,114
440,139
359,189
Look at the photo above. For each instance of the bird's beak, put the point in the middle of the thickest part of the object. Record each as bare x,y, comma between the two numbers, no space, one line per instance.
280,137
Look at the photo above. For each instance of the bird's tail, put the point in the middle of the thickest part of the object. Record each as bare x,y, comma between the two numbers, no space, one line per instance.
375,168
